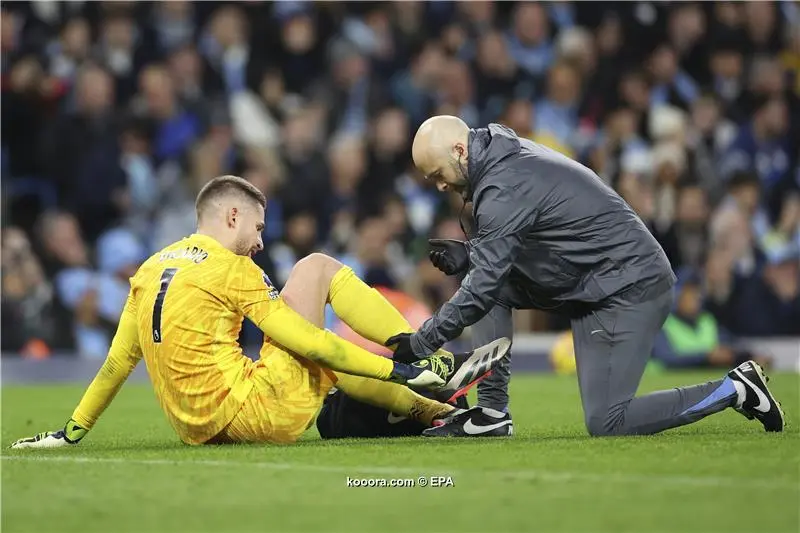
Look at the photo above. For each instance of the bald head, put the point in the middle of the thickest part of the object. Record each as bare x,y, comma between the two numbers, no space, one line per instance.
440,151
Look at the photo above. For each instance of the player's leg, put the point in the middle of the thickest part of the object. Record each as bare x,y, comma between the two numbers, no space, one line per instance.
370,315
288,390
612,348
342,416
307,291
319,279
396,399
493,391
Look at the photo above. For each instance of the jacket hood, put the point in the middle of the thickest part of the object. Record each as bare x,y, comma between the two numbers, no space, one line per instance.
487,147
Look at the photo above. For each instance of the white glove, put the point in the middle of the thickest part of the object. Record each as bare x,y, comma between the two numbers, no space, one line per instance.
69,436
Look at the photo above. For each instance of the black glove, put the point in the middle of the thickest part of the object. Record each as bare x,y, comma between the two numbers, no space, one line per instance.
449,255
402,351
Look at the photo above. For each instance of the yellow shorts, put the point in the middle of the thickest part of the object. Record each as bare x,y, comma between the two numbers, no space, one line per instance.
287,394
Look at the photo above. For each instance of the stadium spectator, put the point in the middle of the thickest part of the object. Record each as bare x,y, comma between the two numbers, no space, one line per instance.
226,50
186,69
34,323
388,150
497,75
67,53
395,213
685,240
302,155
709,136
115,114
420,198
457,92
172,24
671,85
726,64
744,195
176,128
691,337
414,87
118,50
775,293
557,112
81,154
529,40
299,241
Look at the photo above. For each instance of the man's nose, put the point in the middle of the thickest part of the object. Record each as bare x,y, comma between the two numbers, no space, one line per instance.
442,186
260,244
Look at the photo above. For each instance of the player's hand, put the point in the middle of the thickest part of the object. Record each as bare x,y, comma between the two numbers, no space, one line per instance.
69,436
401,344
417,375
449,255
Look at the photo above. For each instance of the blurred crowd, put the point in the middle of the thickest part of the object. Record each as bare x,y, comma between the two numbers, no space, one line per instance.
114,115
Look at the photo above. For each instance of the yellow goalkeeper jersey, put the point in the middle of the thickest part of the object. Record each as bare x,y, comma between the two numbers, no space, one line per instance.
183,315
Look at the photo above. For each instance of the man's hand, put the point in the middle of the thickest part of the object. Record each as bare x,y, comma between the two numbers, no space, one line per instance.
401,344
449,255
69,436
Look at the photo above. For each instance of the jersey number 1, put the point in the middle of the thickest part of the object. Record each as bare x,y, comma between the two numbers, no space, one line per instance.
166,279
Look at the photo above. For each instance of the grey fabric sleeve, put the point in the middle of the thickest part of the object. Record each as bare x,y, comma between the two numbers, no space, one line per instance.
503,219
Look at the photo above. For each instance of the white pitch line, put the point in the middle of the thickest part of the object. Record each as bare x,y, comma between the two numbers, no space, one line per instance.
542,475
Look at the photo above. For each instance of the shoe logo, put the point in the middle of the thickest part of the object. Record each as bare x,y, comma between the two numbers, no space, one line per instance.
595,331
471,429
395,419
422,363
763,402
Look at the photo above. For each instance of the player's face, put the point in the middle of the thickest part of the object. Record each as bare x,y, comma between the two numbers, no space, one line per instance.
249,225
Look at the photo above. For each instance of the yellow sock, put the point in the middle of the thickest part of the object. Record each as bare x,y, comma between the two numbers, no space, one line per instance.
364,309
398,399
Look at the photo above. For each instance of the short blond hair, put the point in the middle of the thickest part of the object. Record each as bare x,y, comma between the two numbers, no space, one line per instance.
227,186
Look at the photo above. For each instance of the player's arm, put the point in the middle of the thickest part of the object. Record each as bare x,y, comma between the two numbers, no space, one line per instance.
251,292
502,221
122,358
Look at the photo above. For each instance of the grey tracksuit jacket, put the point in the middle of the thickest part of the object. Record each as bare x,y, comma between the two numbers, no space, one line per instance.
548,225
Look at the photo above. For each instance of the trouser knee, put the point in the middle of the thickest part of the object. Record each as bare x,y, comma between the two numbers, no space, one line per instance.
606,422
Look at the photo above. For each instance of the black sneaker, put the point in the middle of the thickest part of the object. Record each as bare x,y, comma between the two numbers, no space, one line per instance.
757,401
475,422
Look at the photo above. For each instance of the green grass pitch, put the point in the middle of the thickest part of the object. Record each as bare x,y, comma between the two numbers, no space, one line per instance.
132,474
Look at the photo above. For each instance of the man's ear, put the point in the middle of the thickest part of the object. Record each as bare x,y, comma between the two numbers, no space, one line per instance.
233,214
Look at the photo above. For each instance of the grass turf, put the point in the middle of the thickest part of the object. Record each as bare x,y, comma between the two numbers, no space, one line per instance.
131,474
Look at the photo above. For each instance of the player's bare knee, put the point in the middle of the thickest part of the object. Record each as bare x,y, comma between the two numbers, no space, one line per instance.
318,266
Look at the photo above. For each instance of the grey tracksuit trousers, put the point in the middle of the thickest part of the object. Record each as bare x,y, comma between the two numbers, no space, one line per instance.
613,341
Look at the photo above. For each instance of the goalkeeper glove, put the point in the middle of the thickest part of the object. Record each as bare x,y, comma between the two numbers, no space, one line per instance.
417,375
70,435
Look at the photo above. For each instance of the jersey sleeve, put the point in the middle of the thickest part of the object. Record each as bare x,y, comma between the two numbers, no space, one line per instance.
122,358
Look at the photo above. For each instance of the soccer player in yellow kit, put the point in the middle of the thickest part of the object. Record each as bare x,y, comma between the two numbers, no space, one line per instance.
184,313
